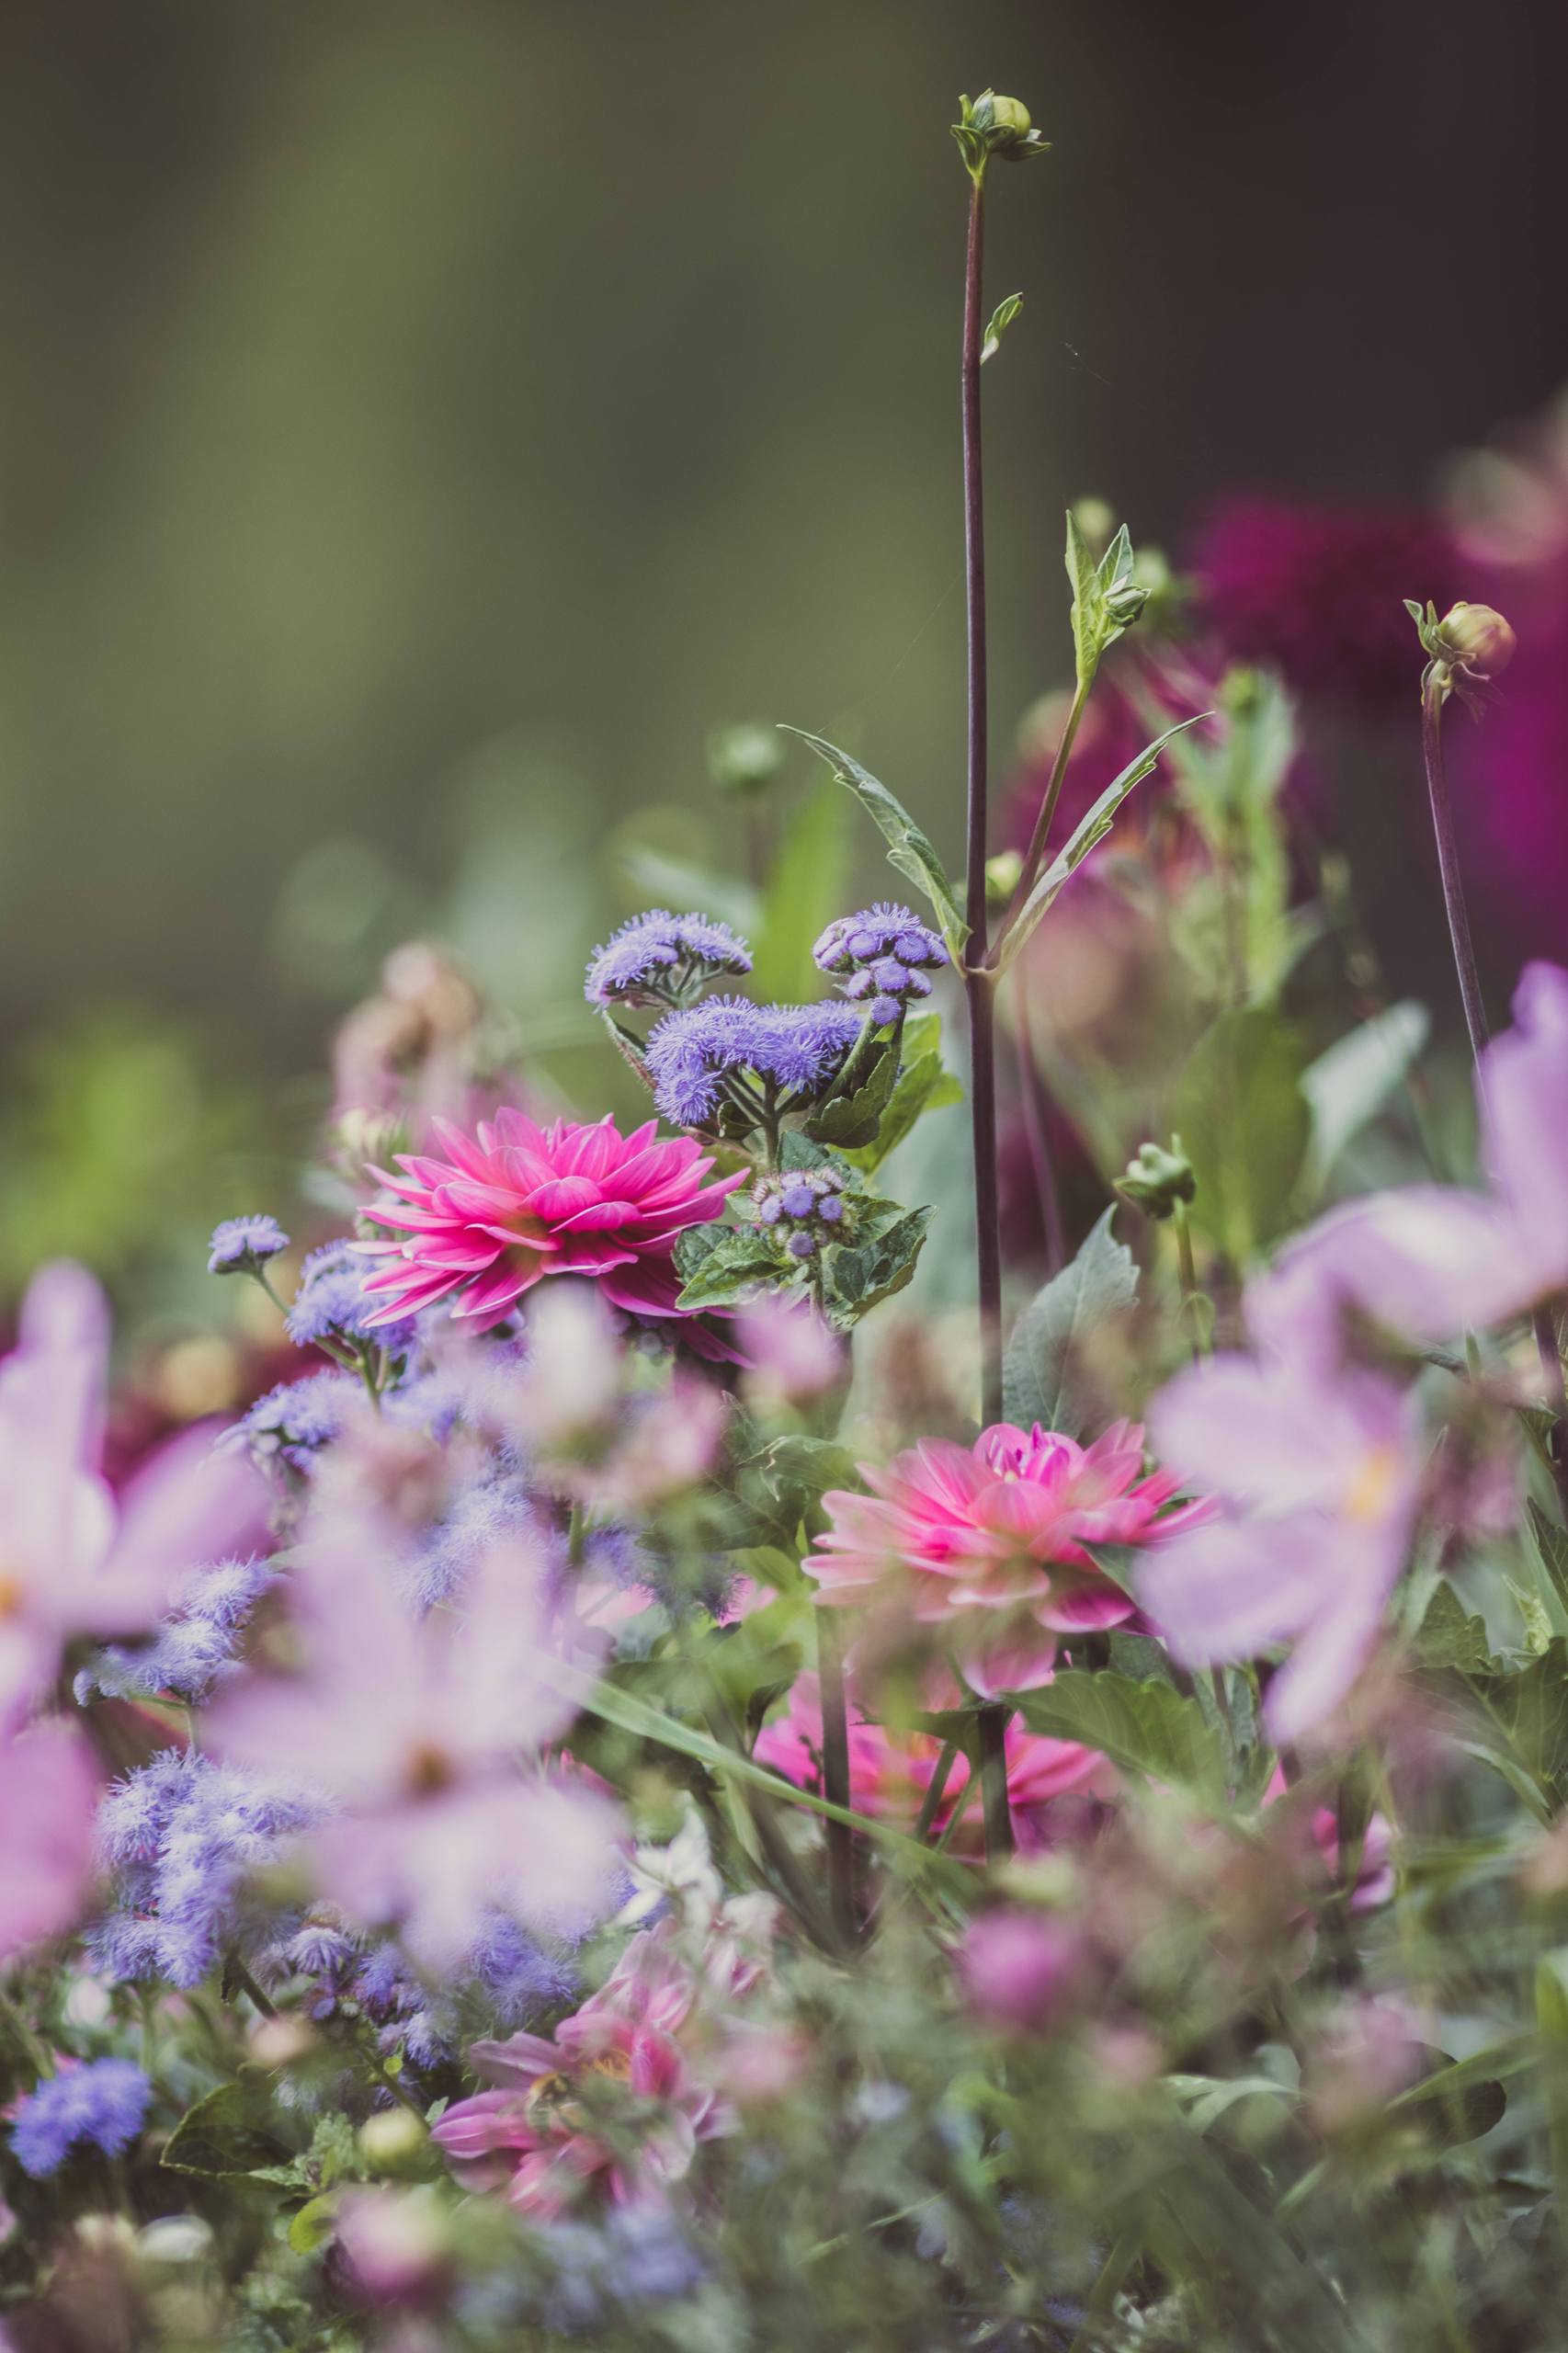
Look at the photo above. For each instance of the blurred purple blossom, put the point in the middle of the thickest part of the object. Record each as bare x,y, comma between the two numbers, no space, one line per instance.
101,2103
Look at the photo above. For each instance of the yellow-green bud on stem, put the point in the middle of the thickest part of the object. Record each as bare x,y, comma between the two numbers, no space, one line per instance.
1479,637
991,125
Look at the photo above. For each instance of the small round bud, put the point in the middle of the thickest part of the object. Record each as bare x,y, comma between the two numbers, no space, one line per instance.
1479,637
1009,116
391,2139
1156,1180
1002,874
744,759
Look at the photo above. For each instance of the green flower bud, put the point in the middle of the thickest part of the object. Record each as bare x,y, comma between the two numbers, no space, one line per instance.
990,126
1479,637
744,759
1156,1180
392,2139
1002,874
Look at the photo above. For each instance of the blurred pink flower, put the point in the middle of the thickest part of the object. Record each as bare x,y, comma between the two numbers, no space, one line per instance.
423,1735
73,1559
49,1790
1429,1261
521,1201
791,1353
1317,1474
1020,1968
890,1772
993,1545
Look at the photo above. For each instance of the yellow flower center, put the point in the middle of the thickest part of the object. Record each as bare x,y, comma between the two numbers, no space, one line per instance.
1367,1499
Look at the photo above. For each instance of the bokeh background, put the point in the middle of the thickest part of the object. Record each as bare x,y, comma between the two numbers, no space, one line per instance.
427,420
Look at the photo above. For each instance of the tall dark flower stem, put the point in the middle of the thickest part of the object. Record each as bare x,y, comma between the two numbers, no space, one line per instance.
1434,694
980,982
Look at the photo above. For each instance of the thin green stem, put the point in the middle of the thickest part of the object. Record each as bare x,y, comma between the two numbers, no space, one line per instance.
1035,855
994,1781
1543,1322
935,1790
979,989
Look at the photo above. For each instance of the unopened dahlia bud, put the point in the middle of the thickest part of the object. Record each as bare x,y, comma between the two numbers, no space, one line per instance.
992,125
1156,1180
1479,637
744,759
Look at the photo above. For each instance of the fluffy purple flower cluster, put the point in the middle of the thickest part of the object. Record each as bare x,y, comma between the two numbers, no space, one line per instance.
181,1836
807,1203
242,1244
100,2105
195,1648
663,958
701,1055
294,1421
331,1304
888,954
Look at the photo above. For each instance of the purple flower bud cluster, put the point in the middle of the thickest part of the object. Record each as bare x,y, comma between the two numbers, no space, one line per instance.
636,2256
181,1836
98,2105
706,1053
482,1514
661,959
888,954
331,1302
806,1207
196,1648
241,1245
294,1421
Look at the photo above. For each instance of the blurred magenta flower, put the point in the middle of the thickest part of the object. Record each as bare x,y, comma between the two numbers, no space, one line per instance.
1315,591
425,1737
49,1790
520,1201
1018,1969
1428,1261
993,1545
1317,1474
75,1558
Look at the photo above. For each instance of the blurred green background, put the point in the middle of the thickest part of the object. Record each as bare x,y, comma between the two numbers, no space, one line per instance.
424,423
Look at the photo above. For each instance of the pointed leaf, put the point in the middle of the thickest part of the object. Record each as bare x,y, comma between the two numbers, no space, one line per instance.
1145,1727
1043,1371
909,851
1245,1125
1349,1083
1002,318
1090,830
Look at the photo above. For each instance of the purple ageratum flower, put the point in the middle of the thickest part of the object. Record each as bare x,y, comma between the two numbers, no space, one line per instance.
1315,1477
661,959
196,1647
330,1303
243,1244
100,2105
887,953
1428,1261
692,1053
294,1421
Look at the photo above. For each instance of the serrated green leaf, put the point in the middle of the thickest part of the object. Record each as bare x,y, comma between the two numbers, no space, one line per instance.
909,851
806,888
1145,1727
875,1266
1530,1705
1551,1550
849,1120
228,2133
1089,831
1449,1637
1245,1125
733,1265
1348,1085
924,1085
1044,1369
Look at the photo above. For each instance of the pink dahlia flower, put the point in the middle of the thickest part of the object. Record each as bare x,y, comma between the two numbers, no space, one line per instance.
993,1544
517,1202
891,1771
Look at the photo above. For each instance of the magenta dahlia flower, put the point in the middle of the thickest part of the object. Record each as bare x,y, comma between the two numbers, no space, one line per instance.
993,1544
518,1202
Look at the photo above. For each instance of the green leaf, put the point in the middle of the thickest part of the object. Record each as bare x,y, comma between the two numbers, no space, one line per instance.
1106,597
1002,318
909,851
738,1262
1245,1125
806,888
922,1086
1551,2025
880,1261
849,1120
1043,1371
228,2133
1455,2101
1349,1085
1449,1637
313,2224
1531,1708
1551,1551
1145,1727
1089,831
